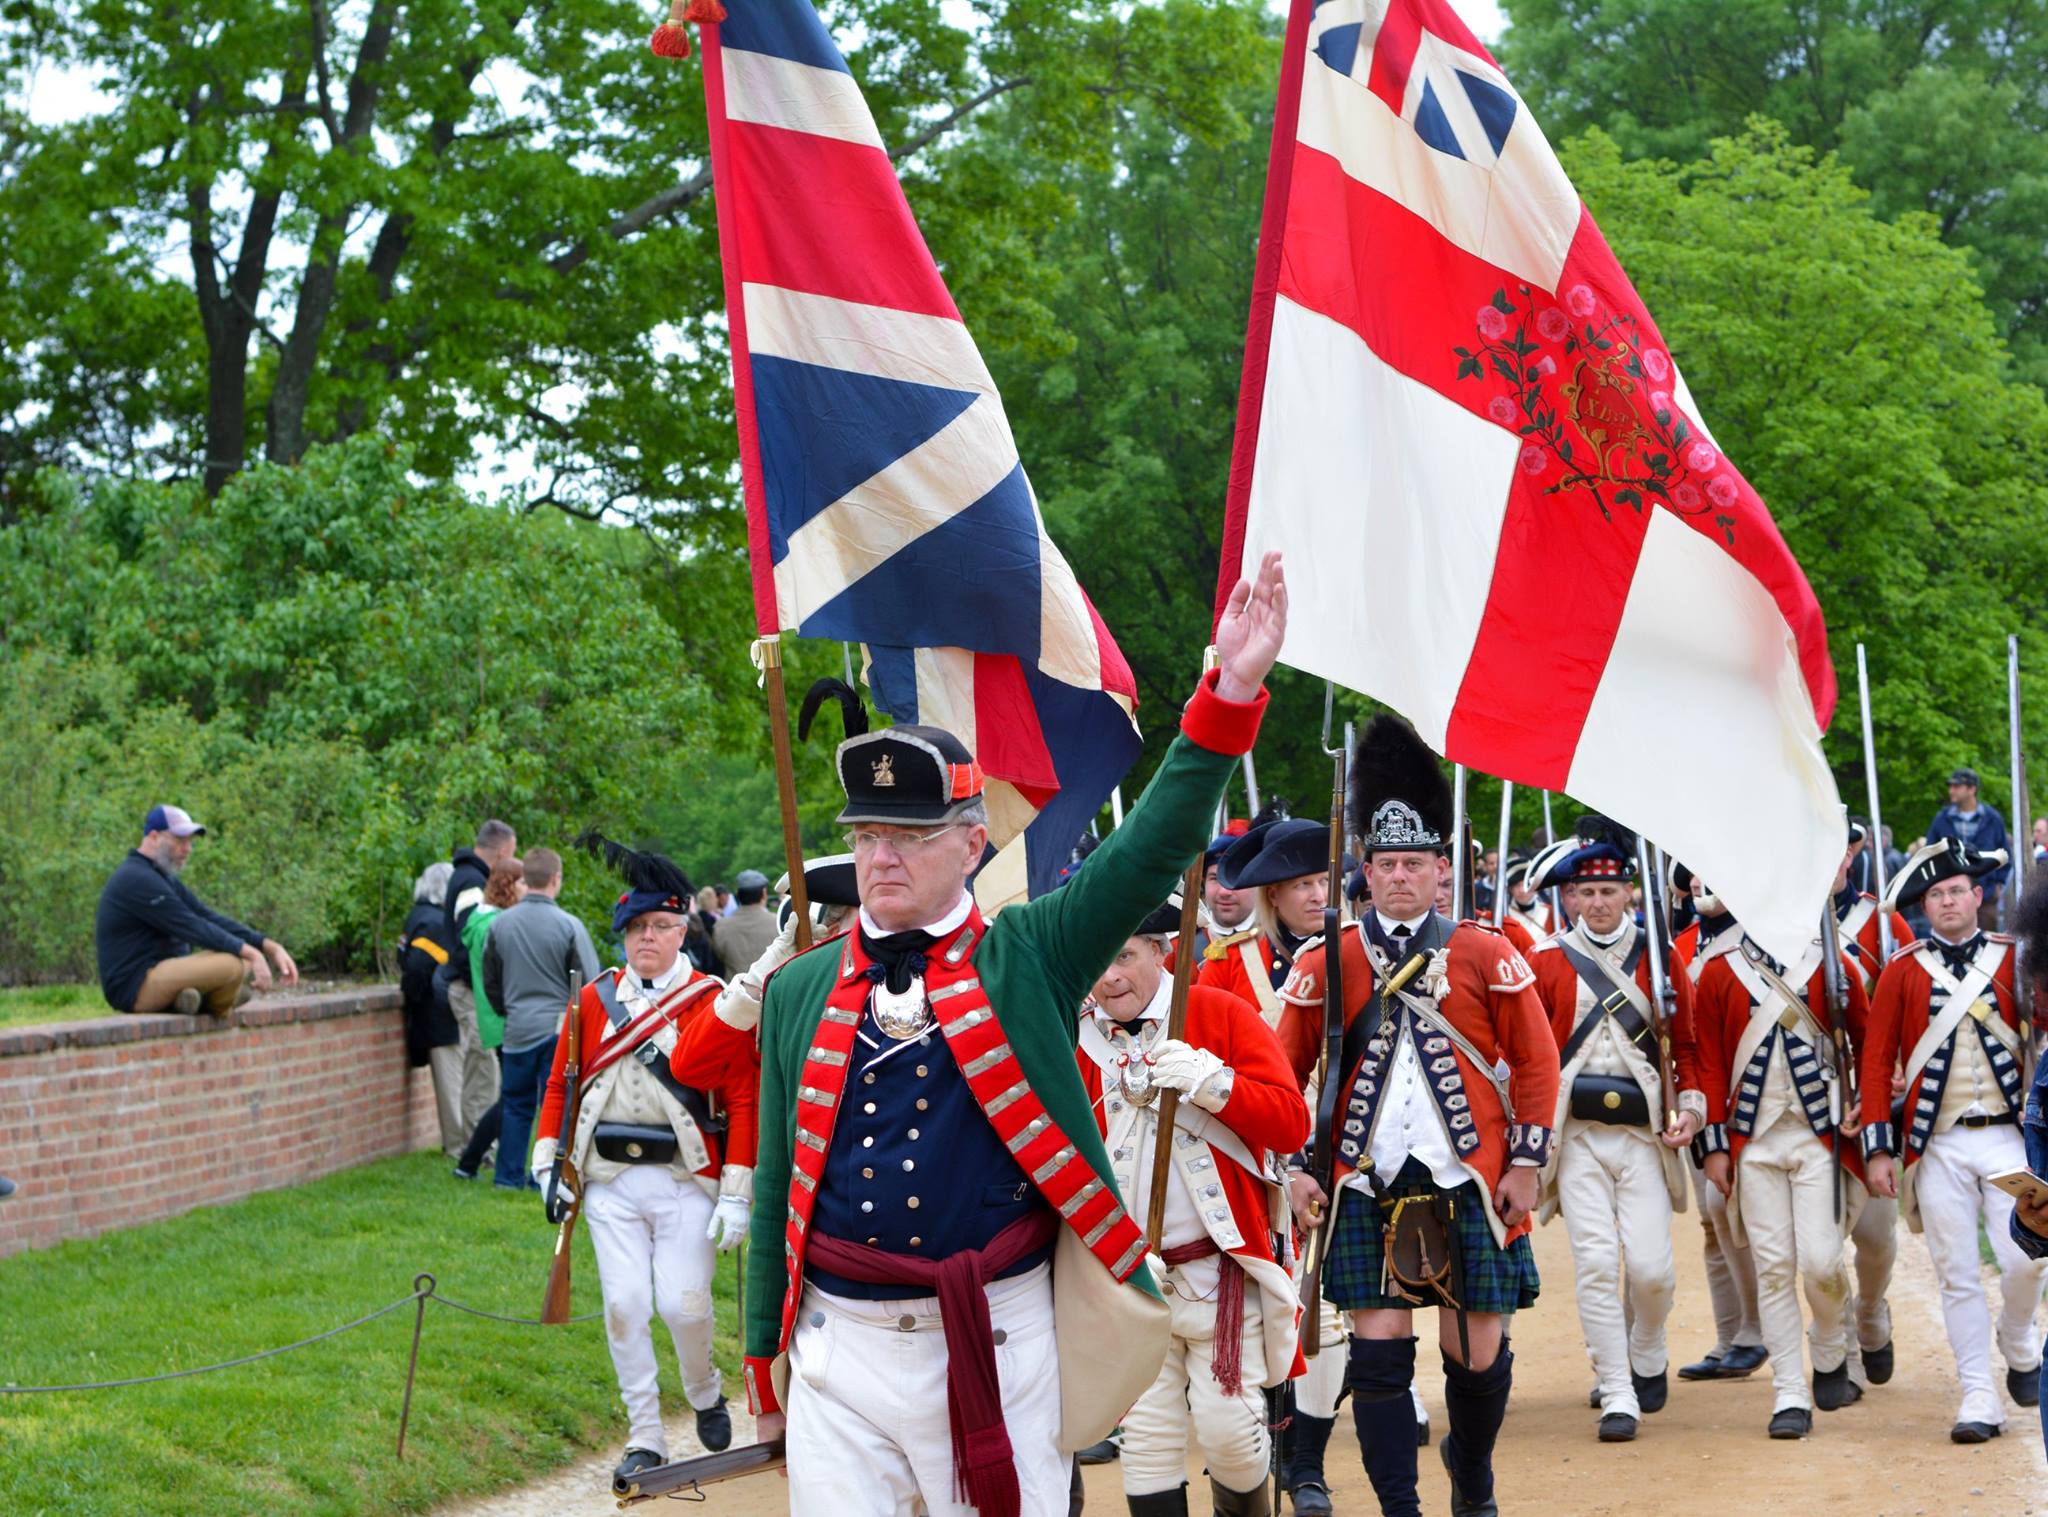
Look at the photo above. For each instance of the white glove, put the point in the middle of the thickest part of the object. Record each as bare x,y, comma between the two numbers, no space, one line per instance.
729,1220
1203,1079
739,1004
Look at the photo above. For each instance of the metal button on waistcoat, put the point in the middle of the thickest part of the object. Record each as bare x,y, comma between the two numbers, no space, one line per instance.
999,1337
911,1203
867,1206
923,1104
909,1165
817,1319
867,1142
867,1172
922,1071
913,1131
917,1242
906,1322
868,1078
869,1108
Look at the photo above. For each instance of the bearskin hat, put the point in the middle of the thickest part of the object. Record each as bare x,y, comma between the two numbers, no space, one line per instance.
1397,797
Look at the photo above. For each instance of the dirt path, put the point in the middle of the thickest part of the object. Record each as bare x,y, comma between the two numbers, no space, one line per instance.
1705,1455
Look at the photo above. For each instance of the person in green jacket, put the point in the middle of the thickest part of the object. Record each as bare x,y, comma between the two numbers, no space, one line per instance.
505,888
927,1148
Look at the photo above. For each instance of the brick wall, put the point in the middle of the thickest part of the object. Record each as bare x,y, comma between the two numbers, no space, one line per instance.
124,1119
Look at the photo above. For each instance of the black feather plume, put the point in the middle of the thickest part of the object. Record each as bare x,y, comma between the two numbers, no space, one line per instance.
2030,926
641,871
850,707
1595,828
1391,763
1275,810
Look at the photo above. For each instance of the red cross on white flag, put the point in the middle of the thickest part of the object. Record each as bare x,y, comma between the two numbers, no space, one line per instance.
1501,510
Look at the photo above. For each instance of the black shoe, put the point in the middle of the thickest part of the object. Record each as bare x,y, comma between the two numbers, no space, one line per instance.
1713,1367
1593,1398
1617,1427
1422,1432
1311,1499
636,1462
714,1427
2024,1386
1460,1507
1743,1359
1793,1422
1877,1363
1974,1432
1833,1389
464,1174
1105,1452
1652,1391
1256,1502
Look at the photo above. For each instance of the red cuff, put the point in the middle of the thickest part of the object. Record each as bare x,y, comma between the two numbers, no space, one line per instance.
760,1387
1219,725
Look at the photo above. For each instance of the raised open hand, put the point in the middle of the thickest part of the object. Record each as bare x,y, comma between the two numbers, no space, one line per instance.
1248,637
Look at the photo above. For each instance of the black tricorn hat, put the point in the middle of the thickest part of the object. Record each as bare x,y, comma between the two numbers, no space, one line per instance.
1397,800
1162,921
1942,859
1282,850
907,776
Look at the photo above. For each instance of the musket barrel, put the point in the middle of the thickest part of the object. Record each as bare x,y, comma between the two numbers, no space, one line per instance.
1876,843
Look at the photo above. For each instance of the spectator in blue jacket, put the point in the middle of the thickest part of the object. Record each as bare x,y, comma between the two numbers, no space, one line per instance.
1978,825
160,948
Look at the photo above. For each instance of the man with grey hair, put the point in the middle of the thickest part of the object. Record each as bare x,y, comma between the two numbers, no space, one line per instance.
471,872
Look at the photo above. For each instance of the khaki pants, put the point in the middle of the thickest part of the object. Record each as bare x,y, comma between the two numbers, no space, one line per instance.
479,1069
446,1063
1231,1429
218,977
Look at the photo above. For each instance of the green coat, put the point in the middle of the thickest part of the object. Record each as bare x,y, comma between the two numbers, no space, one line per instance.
1037,963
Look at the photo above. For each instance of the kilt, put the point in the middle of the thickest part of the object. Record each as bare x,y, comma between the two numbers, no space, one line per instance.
1494,1279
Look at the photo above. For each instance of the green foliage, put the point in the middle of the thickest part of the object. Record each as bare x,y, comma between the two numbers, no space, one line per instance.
314,1431
339,672
1937,107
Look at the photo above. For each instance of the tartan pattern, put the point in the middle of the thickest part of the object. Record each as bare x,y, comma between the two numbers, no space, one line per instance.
1496,1279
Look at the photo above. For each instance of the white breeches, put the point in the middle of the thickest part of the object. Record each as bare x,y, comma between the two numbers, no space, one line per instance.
1786,1193
647,1228
1953,1177
1611,1188
868,1430
1230,1429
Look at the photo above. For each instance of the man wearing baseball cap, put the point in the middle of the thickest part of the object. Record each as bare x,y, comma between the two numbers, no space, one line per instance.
1977,826
160,948
742,937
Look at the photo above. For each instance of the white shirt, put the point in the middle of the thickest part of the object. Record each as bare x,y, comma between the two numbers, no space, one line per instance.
1410,1123
938,929
637,996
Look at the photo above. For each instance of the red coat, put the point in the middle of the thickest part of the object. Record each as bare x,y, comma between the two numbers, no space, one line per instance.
738,1096
1898,1020
1721,1010
1491,1000
1866,947
1223,968
1267,1113
1558,984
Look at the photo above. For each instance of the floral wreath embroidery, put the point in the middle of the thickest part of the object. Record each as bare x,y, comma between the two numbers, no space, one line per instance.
1587,396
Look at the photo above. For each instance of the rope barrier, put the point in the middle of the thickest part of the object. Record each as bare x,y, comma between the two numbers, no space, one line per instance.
424,1290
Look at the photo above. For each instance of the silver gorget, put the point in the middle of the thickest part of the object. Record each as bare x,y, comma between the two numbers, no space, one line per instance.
903,1014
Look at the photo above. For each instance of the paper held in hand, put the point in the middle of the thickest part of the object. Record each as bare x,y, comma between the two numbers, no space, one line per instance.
2023,1185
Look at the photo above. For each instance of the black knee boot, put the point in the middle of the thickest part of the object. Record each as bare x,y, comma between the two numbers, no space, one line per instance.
1301,1471
1378,1374
1173,1503
1477,1401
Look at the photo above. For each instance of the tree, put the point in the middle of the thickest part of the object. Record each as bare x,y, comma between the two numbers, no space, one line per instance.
1937,107
456,224
347,671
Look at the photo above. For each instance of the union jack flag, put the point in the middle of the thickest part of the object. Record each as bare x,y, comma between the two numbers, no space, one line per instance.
886,503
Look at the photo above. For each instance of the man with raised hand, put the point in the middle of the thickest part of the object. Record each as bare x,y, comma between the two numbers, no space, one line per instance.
928,1155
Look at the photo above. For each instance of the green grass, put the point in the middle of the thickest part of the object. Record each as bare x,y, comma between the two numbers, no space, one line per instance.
313,1431
26,1005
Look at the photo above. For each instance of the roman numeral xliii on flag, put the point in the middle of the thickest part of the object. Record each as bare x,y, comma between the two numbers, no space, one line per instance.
886,503
1501,512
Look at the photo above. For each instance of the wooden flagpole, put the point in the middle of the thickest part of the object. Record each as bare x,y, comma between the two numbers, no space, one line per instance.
768,657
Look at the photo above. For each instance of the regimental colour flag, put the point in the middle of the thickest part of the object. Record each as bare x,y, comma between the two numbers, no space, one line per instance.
1501,511
886,503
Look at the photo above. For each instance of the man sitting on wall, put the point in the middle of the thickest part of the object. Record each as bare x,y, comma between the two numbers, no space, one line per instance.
160,948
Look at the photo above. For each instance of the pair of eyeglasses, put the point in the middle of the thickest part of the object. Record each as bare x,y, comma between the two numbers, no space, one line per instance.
905,843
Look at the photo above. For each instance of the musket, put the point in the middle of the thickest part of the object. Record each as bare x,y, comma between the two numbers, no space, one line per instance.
685,1479
1557,923
1461,865
1500,866
2021,846
1663,996
1876,843
555,1306
1323,1152
1837,994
